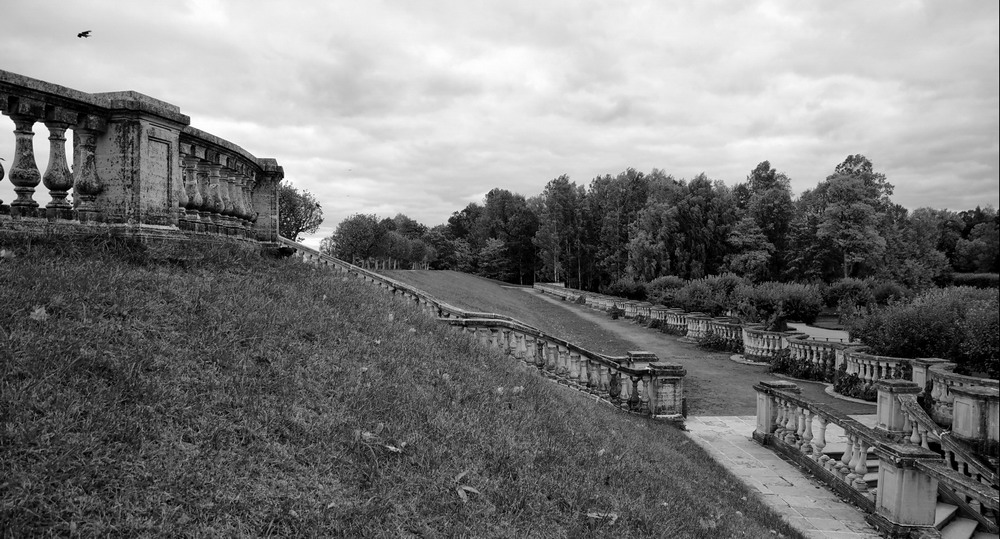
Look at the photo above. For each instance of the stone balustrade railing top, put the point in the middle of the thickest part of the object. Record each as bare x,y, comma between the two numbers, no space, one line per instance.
137,165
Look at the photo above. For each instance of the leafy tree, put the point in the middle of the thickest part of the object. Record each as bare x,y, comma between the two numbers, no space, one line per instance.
298,212
751,251
558,233
359,237
493,262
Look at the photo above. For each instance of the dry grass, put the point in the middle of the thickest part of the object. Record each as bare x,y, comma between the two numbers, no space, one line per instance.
265,398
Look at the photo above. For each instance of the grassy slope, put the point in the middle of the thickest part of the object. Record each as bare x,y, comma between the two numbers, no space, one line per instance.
266,398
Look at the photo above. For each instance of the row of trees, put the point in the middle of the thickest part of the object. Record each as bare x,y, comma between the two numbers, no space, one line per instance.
636,227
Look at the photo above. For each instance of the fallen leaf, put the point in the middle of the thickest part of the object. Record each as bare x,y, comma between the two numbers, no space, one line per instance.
39,314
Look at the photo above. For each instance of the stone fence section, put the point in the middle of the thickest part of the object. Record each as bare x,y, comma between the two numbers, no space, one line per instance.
637,382
905,471
138,168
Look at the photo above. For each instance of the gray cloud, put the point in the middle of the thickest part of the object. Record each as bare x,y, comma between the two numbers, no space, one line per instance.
422,106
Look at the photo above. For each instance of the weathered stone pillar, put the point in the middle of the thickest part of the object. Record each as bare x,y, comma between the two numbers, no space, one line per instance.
975,413
767,407
265,200
139,160
890,417
193,196
921,370
666,393
906,497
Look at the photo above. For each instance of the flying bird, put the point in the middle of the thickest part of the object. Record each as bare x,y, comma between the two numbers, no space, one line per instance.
85,33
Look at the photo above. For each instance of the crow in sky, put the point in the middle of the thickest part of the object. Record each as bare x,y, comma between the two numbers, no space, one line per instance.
85,33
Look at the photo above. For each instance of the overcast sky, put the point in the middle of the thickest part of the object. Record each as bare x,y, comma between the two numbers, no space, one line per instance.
421,107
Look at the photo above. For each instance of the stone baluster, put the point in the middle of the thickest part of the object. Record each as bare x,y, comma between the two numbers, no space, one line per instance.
562,361
844,465
634,400
819,441
205,208
792,427
86,183
780,418
193,196
852,467
229,205
58,178
552,359
583,379
861,468
23,173
530,350
614,386
214,199
807,432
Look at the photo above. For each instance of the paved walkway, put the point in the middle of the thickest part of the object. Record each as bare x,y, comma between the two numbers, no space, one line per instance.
807,504
804,502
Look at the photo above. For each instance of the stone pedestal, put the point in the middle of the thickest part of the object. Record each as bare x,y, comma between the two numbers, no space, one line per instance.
666,394
975,413
890,416
906,497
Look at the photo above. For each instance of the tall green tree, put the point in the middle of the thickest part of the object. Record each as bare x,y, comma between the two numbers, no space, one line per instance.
359,238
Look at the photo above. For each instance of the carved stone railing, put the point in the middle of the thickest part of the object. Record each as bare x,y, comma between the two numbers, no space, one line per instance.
764,346
137,166
896,482
637,382
676,322
729,330
821,356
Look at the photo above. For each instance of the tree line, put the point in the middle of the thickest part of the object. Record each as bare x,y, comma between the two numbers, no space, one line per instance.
634,227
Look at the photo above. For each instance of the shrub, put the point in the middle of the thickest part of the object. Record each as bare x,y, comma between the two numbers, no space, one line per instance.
848,292
772,303
977,280
662,290
886,292
616,313
958,324
713,295
626,288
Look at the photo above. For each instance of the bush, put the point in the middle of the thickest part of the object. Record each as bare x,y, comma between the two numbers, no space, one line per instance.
977,280
848,292
886,292
662,290
958,324
616,313
626,288
772,303
713,295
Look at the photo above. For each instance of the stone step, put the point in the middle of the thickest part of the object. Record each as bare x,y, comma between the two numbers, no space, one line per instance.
943,513
985,535
960,528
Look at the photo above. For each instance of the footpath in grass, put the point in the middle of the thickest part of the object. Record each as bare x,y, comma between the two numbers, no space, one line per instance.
238,396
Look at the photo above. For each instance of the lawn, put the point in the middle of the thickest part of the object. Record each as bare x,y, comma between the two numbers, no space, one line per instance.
242,396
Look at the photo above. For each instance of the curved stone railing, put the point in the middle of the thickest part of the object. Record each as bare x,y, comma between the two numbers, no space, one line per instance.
948,388
871,368
898,482
653,388
729,330
764,346
137,164
821,356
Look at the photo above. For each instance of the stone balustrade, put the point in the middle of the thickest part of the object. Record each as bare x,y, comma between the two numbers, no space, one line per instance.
821,356
138,168
637,383
887,480
764,346
697,326
675,322
871,368
729,330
